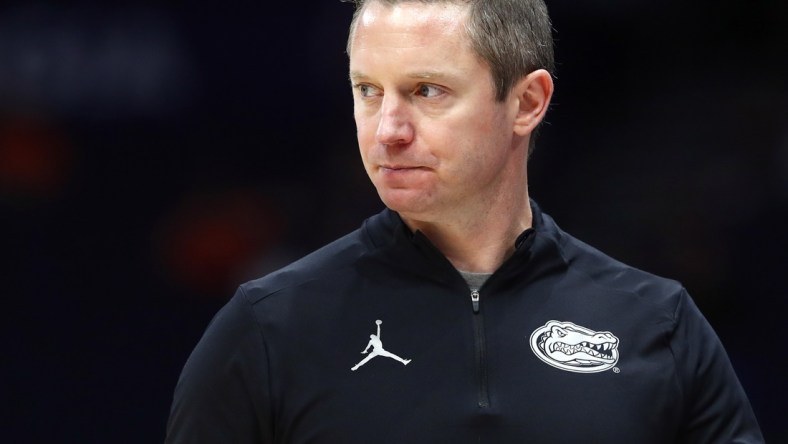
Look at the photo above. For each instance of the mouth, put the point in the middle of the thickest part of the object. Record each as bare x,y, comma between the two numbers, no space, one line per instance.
401,176
400,167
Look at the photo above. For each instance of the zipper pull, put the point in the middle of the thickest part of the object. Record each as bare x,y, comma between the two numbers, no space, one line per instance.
475,300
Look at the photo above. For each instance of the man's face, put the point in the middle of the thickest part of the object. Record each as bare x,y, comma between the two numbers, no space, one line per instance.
432,137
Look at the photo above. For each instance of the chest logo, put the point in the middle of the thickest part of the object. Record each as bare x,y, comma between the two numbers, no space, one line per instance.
573,348
377,350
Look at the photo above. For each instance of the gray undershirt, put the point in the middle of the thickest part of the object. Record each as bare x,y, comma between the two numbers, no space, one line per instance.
475,280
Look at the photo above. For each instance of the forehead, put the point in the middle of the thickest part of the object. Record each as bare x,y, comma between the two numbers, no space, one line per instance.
437,27
444,15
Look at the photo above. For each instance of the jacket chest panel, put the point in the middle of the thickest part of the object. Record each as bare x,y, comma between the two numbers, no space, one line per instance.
390,361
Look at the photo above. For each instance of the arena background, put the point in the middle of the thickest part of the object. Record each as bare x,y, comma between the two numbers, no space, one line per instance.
153,157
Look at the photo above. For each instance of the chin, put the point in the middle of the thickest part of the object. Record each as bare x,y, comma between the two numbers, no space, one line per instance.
406,203
423,201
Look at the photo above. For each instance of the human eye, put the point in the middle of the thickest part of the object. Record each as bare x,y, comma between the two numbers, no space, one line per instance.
429,91
366,90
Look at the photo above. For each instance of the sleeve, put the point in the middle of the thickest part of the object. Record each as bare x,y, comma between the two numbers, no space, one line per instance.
222,395
716,408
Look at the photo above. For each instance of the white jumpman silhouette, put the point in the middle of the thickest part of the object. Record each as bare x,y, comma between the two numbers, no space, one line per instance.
377,350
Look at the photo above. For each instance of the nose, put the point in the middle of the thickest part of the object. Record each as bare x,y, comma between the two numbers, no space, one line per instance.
394,127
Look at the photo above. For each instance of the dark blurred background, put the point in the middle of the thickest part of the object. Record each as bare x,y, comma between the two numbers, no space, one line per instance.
154,157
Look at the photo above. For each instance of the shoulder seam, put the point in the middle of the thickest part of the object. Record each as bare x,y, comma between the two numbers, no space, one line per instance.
674,324
269,387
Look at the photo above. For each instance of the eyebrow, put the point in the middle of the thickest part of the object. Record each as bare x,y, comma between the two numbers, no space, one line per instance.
356,75
421,75
428,75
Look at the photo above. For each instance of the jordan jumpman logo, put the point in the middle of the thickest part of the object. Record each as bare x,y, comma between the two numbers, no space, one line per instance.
377,350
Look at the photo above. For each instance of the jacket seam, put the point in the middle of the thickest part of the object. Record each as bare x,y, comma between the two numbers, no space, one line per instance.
269,386
368,239
674,326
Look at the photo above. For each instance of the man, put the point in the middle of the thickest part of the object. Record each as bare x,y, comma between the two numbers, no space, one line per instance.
514,331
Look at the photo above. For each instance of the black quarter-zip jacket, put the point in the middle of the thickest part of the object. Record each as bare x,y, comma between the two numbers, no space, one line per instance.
561,345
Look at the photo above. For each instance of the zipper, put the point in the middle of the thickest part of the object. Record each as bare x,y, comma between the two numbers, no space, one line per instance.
475,301
480,351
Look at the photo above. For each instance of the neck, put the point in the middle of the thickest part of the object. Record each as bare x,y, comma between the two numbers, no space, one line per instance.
480,244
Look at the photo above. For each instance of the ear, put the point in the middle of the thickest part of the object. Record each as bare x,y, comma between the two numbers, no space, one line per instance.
533,93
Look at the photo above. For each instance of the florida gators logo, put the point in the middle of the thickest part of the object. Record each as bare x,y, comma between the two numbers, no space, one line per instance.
573,348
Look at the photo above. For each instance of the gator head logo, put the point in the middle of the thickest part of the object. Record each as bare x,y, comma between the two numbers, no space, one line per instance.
574,348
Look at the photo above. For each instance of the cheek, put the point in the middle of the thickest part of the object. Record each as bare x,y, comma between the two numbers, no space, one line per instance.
365,135
482,149
366,128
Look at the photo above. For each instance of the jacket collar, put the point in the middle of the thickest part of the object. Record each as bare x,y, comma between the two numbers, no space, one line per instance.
537,250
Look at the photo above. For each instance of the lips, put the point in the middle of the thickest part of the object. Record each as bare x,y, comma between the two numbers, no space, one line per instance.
401,176
401,170
400,167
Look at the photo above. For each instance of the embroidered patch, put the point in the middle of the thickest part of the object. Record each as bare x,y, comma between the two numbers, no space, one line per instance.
573,348
377,350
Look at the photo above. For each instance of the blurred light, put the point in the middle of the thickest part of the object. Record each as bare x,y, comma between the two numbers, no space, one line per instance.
35,158
91,62
208,243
